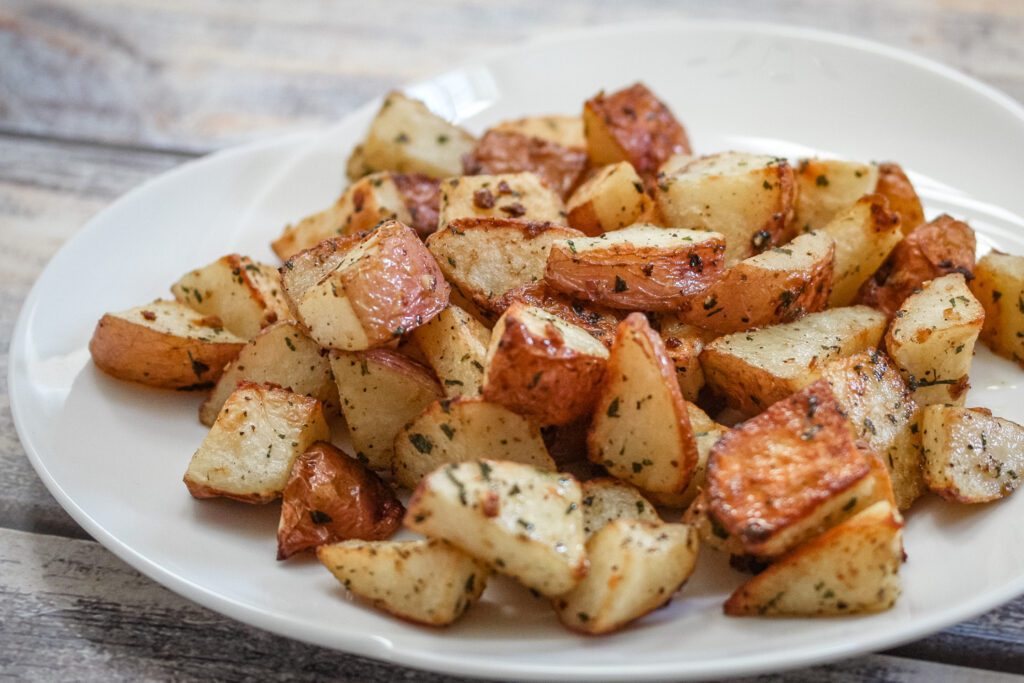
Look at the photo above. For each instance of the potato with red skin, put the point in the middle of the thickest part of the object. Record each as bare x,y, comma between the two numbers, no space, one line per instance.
939,247
599,321
500,152
422,196
331,497
894,185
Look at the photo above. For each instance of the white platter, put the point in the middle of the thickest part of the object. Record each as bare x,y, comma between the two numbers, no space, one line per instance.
113,453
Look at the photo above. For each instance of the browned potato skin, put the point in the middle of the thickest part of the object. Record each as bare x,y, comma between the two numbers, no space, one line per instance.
943,246
140,354
656,279
894,185
639,125
597,320
499,152
748,498
331,497
422,195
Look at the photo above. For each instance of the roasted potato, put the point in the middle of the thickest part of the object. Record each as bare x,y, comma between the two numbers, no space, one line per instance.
748,198
407,137
607,499
829,187
566,131
244,295
932,338
864,235
971,456
632,125
455,345
894,185
635,568
643,267
249,451
499,152
683,344
641,429
380,391
542,367
462,429
512,196
428,582
281,354
777,286
852,568
599,321
999,285
706,432
163,344
331,497
611,199
521,521
940,247
754,369
385,285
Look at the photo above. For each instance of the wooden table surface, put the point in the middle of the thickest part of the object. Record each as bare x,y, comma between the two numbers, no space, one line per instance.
98,96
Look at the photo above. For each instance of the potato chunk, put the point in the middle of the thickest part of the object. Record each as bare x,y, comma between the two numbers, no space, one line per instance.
641,429
281,354
999,285
865,234
380,391
643,267
542,367
607,499
499,152
462,429
514,196
566,131
599,321
969,455
632,125
521,521
706,432
932,339
163,344
331,497
382,287
428,582
829,187
455,345
683,344
754,369
852,568
407,137
748,198
249,451
894,185
635,568
611,199
246,296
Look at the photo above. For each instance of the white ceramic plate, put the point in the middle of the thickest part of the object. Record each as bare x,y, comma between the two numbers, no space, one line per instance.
113,453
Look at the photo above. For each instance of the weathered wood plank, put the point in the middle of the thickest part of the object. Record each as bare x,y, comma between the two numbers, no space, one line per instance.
203,74
70,606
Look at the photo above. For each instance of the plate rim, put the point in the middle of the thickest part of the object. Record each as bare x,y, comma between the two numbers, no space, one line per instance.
382,649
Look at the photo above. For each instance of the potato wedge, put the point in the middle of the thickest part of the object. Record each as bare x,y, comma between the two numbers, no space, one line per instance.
542,367
932,339
641,429
879,405
894,185
611,199
971,456
635,568
331,497
566,131
748,198
786,475
380,390
163,344
852,568
607,499
777,286
281,354
829,187
632,125
407,137
428,582
683,344
523,522
560,168
249,452
864,234
706,432
246,296
384,286
754,369
512,196
643,267
455,345
599,321
463,429
999,285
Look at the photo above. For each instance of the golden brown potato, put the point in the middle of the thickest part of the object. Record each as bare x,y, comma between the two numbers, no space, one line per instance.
331,497
542,367
894,185
454,344
566,131
163,344
512,196
683,344
643,267
999,285
939,247
612,198
828,187
597,320
384,286
865,235
632,125
501,152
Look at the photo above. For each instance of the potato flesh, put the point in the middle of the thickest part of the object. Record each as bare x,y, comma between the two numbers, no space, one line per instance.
611,200
999,285
562,130
455,345
829,187
864,236
607,499
706,433
515,196
683,344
